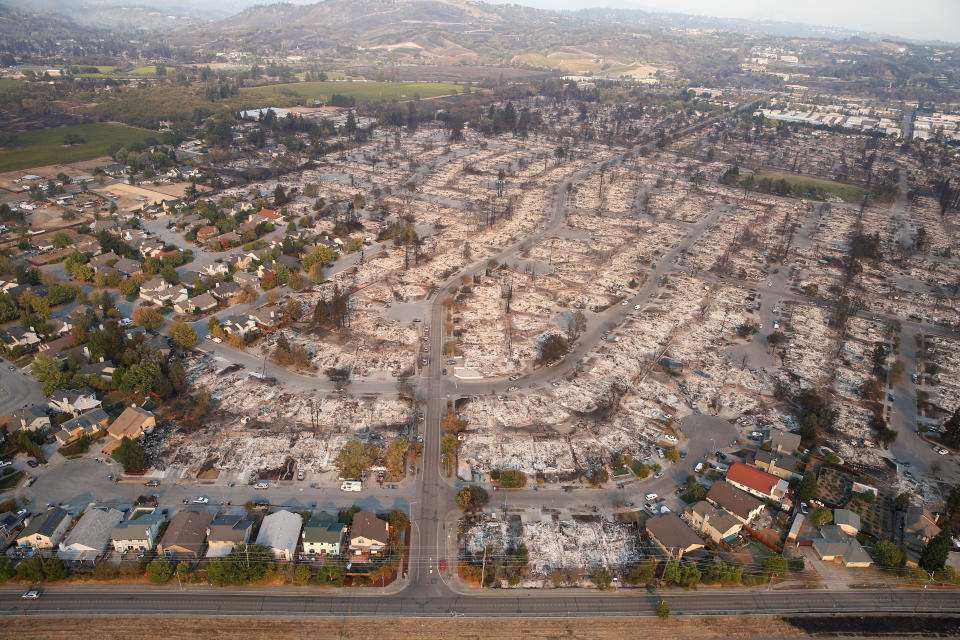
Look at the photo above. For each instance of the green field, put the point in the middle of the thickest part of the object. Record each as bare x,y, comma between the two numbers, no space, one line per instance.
6,83
45,146
291,93
847,192
115,72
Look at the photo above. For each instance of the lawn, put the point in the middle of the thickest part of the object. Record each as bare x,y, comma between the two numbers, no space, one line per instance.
114,72
811,186
6,83
45,146
361,91
11,480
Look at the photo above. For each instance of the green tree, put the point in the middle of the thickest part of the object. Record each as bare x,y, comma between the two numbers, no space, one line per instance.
6,570
302,574
672,455
951,430
184,335
30,570
663,610
398,520
775,565
472,498
148,318
131,455
889,555
55,569
934,555
602,578
821,516
807,488
61,239
355,458
513,479
643,573
159,570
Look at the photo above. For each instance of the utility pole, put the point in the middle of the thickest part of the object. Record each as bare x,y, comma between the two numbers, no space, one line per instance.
483,571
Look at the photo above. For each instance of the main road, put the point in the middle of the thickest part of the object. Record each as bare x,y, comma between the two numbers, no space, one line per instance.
309,602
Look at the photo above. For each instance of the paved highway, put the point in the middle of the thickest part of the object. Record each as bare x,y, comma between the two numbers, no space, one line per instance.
278,602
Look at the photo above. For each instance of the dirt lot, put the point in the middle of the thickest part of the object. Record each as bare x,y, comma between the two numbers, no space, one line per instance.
124,628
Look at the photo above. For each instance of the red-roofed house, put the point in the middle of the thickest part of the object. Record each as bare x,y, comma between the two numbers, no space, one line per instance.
759,483
269,214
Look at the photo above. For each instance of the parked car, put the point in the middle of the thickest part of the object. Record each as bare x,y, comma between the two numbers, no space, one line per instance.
262,485
300,474
152,483
200,500
658,474
351,485
651,496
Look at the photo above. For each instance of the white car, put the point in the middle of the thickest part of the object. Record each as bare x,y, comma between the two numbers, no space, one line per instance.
940,450
636,307
660,452
262,485
650,497
33,594
200,500
670,438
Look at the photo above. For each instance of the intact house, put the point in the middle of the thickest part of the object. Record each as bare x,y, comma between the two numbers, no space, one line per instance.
20,337
782,466
45,530
246,279
323,538
29,419
368,533
672,535
137,534
919,527
266,317
758,483
197,304
73,401
835,544
226,291
128,267
737,503
90,537
103,370
226,532
239,325
281,532
132,423
783,441
86,424
848,521
713,521
186,536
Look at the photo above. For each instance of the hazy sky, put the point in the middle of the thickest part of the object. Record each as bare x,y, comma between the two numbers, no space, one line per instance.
918,19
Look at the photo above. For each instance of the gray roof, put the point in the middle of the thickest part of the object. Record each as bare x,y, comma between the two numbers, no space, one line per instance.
281,530
229,528
786,441
847,517
88,419
737,502
91,535
672,532
136,529
716,517
45,523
